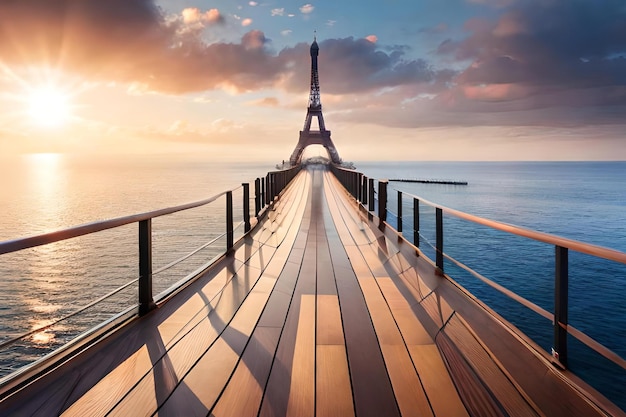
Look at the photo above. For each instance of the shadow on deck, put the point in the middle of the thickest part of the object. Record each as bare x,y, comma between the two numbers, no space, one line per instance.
317,311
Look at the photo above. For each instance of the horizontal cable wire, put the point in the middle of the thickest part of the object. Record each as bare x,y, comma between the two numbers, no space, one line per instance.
189,255
582,337
80,310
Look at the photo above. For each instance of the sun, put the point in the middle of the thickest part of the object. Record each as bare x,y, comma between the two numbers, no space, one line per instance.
49,107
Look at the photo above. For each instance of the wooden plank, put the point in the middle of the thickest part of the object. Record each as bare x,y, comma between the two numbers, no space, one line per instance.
218,363
384,324
377,260
248,315
431,306
371,387
487,370
99,400
329,326
414,284
277,392
242,396
288,277
265,284
333,389
187,351
325,274
373,395
142,398
476,397
302,386
275,310
183,319
400,262
440,389
198,391
406,384
412,330
357,262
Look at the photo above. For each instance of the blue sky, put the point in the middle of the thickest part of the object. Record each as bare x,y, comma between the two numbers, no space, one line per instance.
400,79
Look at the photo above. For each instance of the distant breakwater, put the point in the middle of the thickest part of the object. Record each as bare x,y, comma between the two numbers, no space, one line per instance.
429,181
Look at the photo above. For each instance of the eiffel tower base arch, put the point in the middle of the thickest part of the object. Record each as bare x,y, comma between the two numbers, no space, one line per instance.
314,138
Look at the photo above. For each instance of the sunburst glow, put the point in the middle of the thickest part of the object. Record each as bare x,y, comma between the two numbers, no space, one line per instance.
49,107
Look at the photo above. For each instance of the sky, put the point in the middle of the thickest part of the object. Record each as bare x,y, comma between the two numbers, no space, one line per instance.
400,79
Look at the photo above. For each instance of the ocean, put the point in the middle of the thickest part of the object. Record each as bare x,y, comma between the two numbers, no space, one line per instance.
579,200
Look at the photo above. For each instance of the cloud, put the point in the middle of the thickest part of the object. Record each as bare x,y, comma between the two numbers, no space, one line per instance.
141,47
307,8
265,102
286,32
544,55
330,23
134,43
246,22
194,15
278,12
253,3
530,63
66,30
351,65
372,38
225,125
254,39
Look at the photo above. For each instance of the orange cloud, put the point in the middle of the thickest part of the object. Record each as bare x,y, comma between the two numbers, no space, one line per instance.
265,102
495,92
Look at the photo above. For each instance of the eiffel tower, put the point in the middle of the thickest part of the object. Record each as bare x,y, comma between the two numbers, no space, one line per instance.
314,137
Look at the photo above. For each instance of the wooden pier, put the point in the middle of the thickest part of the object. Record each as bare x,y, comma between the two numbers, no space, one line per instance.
319,310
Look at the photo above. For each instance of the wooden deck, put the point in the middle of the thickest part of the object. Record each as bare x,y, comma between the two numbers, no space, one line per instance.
317,312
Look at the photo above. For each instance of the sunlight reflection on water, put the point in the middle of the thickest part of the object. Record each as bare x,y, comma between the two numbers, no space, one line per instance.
48,192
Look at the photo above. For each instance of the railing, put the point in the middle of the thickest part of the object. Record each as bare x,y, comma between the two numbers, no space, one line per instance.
357,184
266,189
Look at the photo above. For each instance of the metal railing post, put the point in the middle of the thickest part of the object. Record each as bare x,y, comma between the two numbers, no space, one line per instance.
283,181
439,243
416,222
257,197
382,201
561,279
246,206
273,184
267,189
371,195
262,181
146,302
229,221
400,212
364,190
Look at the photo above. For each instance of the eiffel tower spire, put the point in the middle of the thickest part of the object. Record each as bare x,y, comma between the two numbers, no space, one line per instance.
314,137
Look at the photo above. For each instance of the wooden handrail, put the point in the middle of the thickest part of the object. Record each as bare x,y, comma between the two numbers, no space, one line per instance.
587,248
88,228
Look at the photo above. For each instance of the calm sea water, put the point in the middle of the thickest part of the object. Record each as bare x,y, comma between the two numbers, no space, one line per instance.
41,193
